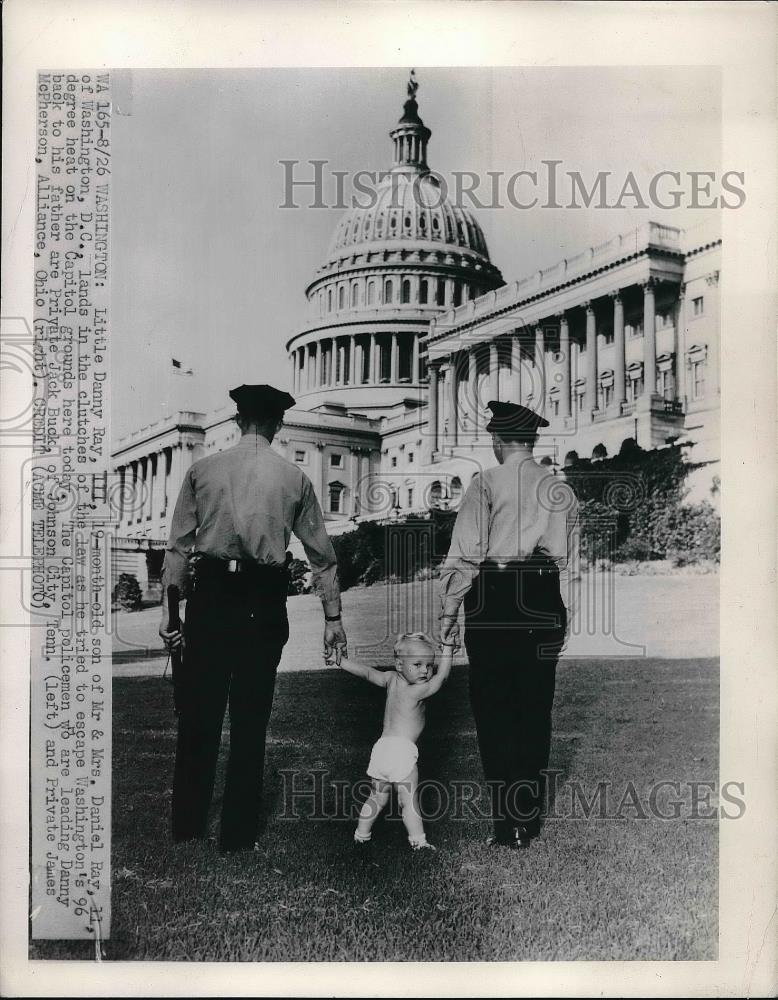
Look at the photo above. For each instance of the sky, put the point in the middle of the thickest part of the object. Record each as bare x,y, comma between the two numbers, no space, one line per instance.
210,270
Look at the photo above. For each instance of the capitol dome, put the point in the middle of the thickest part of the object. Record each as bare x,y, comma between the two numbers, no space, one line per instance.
391,267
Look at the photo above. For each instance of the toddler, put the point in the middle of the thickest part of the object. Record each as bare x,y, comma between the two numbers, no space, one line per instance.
394,756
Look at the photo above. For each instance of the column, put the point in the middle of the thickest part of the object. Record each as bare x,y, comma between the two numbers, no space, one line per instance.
394,376
133,495
317,366
375,360
619,371
432,422
516,367
649,339
591,359
472,387
303,368
540,364
293,373
415,359
494,372
352,360
356,493
453,390
159,483
450,292
564,350
679,345
120,503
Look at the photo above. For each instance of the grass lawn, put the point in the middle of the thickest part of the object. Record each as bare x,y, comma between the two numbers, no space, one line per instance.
615,888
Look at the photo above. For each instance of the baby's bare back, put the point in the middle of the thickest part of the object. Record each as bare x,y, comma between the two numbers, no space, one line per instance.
404,712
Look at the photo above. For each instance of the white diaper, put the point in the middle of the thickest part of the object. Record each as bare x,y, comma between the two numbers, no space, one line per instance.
393,758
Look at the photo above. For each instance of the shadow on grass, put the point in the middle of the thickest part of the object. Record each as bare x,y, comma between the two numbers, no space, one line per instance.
611,889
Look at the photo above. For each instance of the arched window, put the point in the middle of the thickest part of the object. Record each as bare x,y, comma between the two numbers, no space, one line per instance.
329,300
406,291
336,498
371,293
456,490
423,291
388,291
354,295
436,494
341,296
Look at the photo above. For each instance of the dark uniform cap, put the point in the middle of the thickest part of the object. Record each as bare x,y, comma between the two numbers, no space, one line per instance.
511,418
261,400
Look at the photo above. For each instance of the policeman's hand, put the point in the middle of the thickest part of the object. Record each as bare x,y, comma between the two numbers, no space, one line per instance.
172,638
449,632
335,641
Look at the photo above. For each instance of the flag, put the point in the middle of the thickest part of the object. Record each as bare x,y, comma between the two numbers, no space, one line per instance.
180,368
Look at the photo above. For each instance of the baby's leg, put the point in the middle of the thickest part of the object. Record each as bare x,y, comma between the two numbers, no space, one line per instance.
408,794
372,806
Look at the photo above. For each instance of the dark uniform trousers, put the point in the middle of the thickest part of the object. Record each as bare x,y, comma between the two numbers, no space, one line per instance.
515,623
235,630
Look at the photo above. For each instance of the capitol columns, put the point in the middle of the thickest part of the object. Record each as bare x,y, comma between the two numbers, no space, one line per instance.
432,422
415,359
679,344
394,376
649,338
515,367
591,359
472,388
619,364
539,403
375,360
564,350
317,365
452,377
494,372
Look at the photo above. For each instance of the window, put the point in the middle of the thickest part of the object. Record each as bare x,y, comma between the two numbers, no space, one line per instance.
456,490
394,461
607,395
329,300
336,461
410,496
698,379
635,388
388,291
423,290
636,329
440,295
341,297
663,319
608,335
698,306
410,458
664,383
336,498
581,400
354,295
370,293
457,294
299,456
555,405
405,295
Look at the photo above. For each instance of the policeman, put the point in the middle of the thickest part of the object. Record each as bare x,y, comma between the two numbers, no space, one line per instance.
229,534
513,562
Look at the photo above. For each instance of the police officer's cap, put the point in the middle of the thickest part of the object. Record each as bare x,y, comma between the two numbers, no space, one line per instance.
512,420
261,401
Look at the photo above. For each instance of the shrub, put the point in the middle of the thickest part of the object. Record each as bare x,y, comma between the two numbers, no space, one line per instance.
128,593
299,577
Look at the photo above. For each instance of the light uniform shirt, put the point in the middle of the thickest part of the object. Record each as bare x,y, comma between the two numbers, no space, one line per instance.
508,513
243,503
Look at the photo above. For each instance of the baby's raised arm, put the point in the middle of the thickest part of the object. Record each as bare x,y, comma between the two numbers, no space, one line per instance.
377,677
434,685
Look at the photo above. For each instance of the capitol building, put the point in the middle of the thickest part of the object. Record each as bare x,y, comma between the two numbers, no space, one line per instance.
410,330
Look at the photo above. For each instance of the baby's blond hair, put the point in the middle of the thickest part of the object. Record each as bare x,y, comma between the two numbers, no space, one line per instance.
407,637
